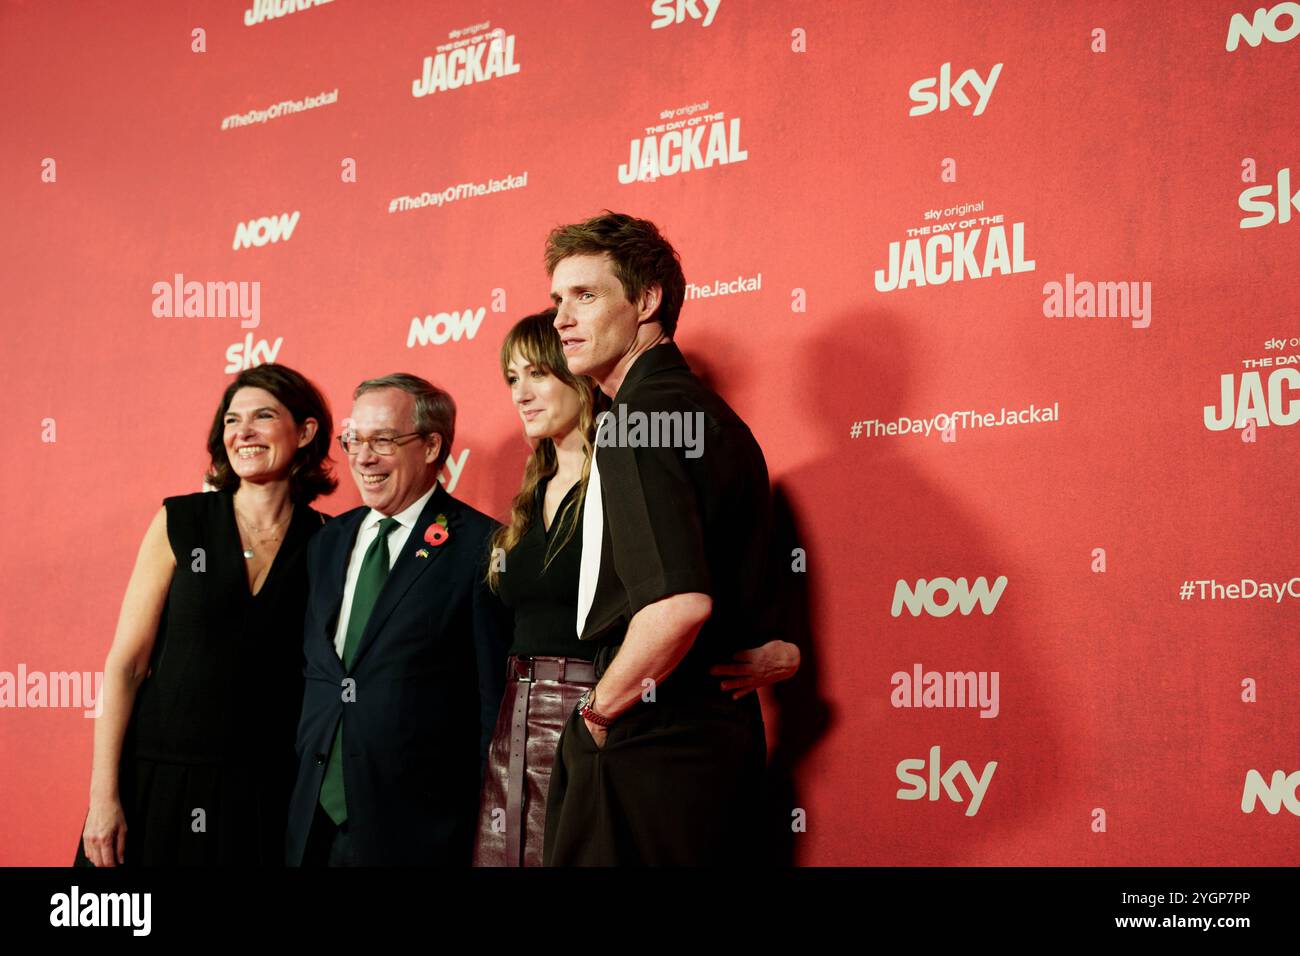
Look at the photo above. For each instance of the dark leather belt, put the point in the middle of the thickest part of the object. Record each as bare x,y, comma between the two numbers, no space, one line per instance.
569,670
529,670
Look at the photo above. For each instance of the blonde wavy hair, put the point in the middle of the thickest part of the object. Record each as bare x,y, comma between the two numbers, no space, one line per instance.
534,338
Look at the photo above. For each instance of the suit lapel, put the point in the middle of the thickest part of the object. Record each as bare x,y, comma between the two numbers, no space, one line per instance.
410,565
336,571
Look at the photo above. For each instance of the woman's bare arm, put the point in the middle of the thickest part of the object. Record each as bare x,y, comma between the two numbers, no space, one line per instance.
125,669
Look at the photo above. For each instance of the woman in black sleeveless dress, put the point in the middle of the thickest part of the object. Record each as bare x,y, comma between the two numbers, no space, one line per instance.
549,669
194,762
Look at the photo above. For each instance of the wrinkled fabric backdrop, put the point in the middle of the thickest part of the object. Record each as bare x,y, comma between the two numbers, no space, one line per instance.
1005,292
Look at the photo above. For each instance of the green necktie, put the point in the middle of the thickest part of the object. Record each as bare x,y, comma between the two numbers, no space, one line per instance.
370,581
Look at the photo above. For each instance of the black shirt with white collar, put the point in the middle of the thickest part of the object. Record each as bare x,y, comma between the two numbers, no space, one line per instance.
691,517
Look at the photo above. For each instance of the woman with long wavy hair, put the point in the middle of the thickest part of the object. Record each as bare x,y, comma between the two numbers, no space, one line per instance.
549,669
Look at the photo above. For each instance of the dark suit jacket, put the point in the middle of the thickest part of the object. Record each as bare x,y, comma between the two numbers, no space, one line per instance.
429,673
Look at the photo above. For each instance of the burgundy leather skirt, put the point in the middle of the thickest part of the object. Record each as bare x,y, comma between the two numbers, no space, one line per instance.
541,693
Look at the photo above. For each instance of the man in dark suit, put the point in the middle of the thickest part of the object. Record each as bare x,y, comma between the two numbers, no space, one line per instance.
405,650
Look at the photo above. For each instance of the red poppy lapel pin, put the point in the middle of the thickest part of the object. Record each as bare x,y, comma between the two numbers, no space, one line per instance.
436,533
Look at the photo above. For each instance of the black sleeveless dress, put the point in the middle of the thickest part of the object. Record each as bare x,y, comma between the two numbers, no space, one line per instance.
545,602
208,759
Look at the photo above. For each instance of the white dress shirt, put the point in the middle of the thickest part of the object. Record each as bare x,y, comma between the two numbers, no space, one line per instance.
365,536
593,536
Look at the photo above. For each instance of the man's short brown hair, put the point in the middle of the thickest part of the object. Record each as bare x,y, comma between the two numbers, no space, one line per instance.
641,257
435,410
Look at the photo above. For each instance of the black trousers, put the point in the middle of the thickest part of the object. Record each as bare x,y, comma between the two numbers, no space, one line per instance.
677,783
328,844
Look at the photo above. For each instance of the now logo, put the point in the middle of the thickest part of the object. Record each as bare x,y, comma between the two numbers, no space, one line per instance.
959,596
1263,25
258,232
1282,789
445,327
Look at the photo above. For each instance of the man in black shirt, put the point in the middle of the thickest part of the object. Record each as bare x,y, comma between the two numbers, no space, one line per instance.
657,766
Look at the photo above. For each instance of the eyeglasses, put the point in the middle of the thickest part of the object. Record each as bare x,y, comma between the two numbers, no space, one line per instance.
382,445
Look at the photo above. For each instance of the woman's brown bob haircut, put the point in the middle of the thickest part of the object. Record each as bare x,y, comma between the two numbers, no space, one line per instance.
311,473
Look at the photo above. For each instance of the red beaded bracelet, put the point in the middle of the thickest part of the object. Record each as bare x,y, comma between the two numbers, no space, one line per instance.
585,710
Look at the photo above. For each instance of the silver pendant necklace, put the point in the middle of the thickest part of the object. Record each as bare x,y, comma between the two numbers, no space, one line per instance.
248,551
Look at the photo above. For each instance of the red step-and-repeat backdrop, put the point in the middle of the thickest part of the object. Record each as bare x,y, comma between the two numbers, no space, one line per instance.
1005,291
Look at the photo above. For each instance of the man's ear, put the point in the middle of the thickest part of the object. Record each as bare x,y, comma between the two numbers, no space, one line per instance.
651,296
432,448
